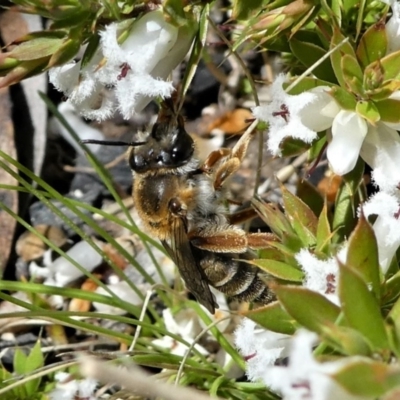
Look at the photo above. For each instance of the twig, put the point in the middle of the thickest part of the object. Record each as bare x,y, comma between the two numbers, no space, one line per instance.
137,381
141,318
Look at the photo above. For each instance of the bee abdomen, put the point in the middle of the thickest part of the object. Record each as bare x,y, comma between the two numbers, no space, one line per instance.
238,280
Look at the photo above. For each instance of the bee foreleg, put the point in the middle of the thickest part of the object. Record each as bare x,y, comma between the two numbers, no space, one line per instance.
213,158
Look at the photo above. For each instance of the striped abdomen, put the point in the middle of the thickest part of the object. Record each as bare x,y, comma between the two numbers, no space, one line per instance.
238,280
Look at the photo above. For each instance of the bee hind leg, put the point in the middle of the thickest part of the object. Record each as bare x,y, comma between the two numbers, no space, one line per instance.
231,240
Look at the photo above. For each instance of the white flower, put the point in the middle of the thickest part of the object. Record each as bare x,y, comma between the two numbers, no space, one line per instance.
393,27
185,324
285,116
381,151
353,136
378,146
321,275
260,347
125,76
68,388
348,134
386,226
304,377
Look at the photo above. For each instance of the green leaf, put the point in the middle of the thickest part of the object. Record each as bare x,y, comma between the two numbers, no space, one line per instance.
37,48
352,74
279,270
75,19
343,98
273,217
336,57
308,193
361,308
197,51
373,80
373,44
65,53
310,309
20,360
369,111
347,340
90,50
273,317
389,110
362,255
272,253
391,288
324,234
34,361
394,316
308,54
384,90
243,9
292,147
365,377
300,216
391,66
305,85
175,10
347,201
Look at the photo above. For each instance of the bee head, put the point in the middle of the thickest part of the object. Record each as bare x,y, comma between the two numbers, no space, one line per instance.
168,146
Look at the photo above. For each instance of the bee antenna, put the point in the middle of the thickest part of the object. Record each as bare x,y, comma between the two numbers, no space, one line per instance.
111,142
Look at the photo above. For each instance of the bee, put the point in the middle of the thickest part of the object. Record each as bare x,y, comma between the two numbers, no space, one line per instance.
182,203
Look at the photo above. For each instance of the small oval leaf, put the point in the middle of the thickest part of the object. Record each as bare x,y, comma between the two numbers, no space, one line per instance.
361,308
308,308
279,270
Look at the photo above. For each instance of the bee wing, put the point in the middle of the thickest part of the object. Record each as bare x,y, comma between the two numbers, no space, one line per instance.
181,253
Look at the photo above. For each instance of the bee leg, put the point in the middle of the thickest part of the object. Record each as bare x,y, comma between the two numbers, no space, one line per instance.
233,162
231,240
260,240
213,158
237,154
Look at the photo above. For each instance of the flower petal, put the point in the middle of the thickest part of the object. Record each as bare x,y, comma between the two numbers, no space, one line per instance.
386,227
348,133
381,151
320,112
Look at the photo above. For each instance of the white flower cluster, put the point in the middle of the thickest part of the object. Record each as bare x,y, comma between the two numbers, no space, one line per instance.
303,377
351,136
126,76
302,116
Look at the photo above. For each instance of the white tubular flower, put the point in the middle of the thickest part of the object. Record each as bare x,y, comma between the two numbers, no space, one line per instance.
393,27
306,378
126,76
321,275
348,134
381,151
186,324
285,116
386,226
259,347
